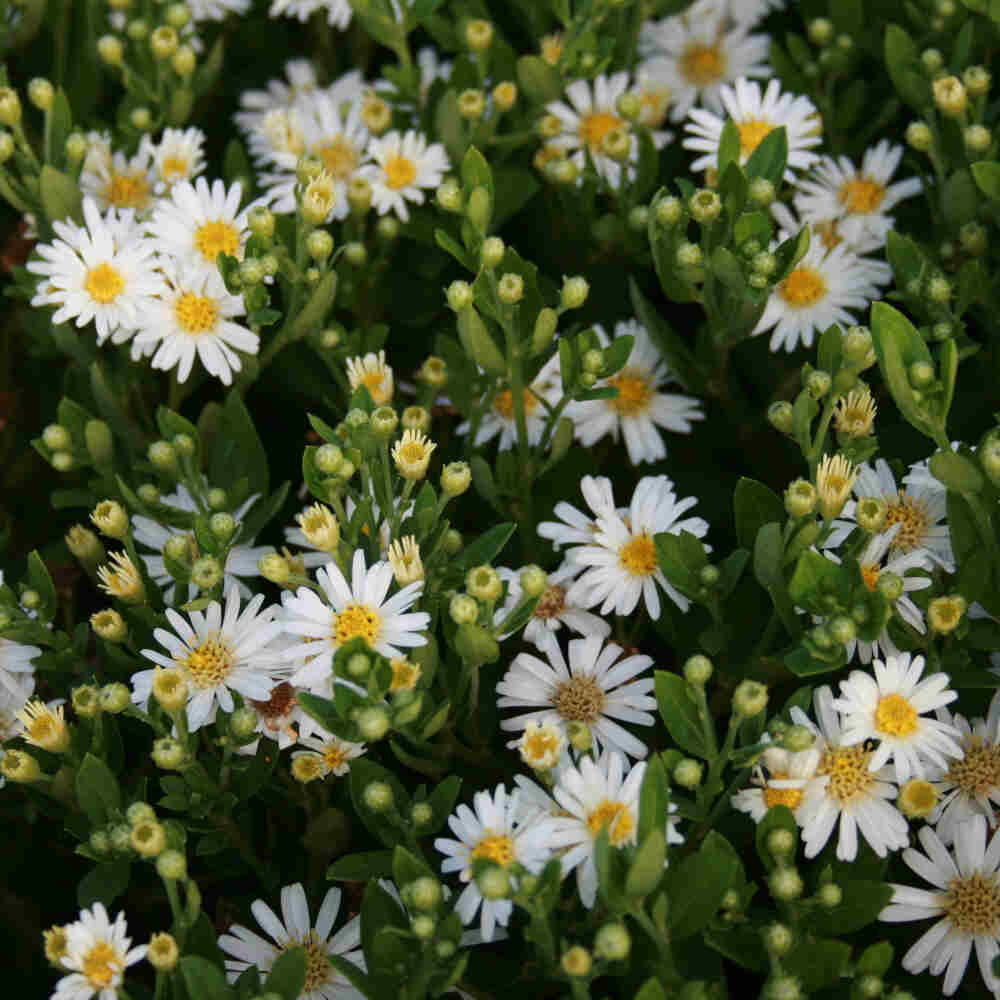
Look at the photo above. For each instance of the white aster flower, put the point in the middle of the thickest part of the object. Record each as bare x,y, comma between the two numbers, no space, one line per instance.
597,687
640,406
177,156
116,181
492,830
827,231
694,57
576,528
15,691
372,372
620,563
279,95
818,292
295,929
218,651
552,610
890,708
333,754
965,899
780,781
17,672
338,12
351,610
102,271
969,785
97,955
846,790
756,114
920,509
860,199
405,166
194,318
216,10
197,222
595,796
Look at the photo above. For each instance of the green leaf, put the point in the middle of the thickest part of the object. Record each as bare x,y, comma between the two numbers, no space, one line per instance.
905,258
486,547
60,195
203,979
769,159
729,146
482,479
754,505
361,867
97,790
860,906
237,450
363,772
58,124
696,886
902,60
818,963
540,82
616,354
647,864
876,959
987,177
654,796
104,884
678,355
652,990
288,974
452,246
408,867
680,713
40,581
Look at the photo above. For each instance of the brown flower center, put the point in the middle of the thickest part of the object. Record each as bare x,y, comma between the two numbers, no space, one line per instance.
580,699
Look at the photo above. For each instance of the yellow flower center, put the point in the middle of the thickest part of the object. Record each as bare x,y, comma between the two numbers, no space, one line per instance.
870,575
504,404
580,699
127,190
804,287
551,49
399,172
374,382
895,716
404,675
973,905
595,126
339,157
978,773
104,283
210,663
634,393
654,104
541,743
42,728
356,620
196,313
861,195
791,797
498,848
318,967
827,232
335,755
213,238
412,451
703,64
917,798
616,818
752,134
913,519
847,768
173,168
552,603
638,556
100,965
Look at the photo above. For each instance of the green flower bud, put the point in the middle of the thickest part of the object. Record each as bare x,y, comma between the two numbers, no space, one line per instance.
698,670
612,942
171,866
574,292
778,940
785,883
510,290
378,796
115,698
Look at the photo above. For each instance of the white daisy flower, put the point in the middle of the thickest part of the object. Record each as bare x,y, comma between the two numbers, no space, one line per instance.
405,166
241,560
780,781
279,95
351,610
218,651
372,372
969,785
338,12
197,222
295,929
116,181
818,292
194,319
552,610
756,114
694,57
102,271
640,406
15,691
595,796
17,672
492,830
846,790
860,199
338,139
965,900
576,528
596,687
280,718
544,391
890,708
827,231
178,156
620,564
919,508
99,152
333,754
97,955
216,10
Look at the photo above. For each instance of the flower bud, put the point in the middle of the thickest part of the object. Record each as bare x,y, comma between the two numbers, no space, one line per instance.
697,670
944,614
243,723
20,767
148,839
373,723
749,699
471,104
162,952
319,244
169,754
62,461
10,107
977,138
41,93
478,34
919,136
612,942
574,292
950,96
689,256
459,295
86,701
977,80
534,581
163,42
115,698
184,61
781,843
449,196
421,814
85,546
261,222
483,583
109,625
800,498
171,866
842,629
110,519
170,689
798,738
688,773
932,60
423,893
510,289
705,206
778,940
577,962
378,796
452,543
206,572
163,457
492,251
890,586
785,883
455,478
917,799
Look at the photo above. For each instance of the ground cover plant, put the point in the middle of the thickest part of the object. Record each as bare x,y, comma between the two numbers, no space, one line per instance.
500,498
